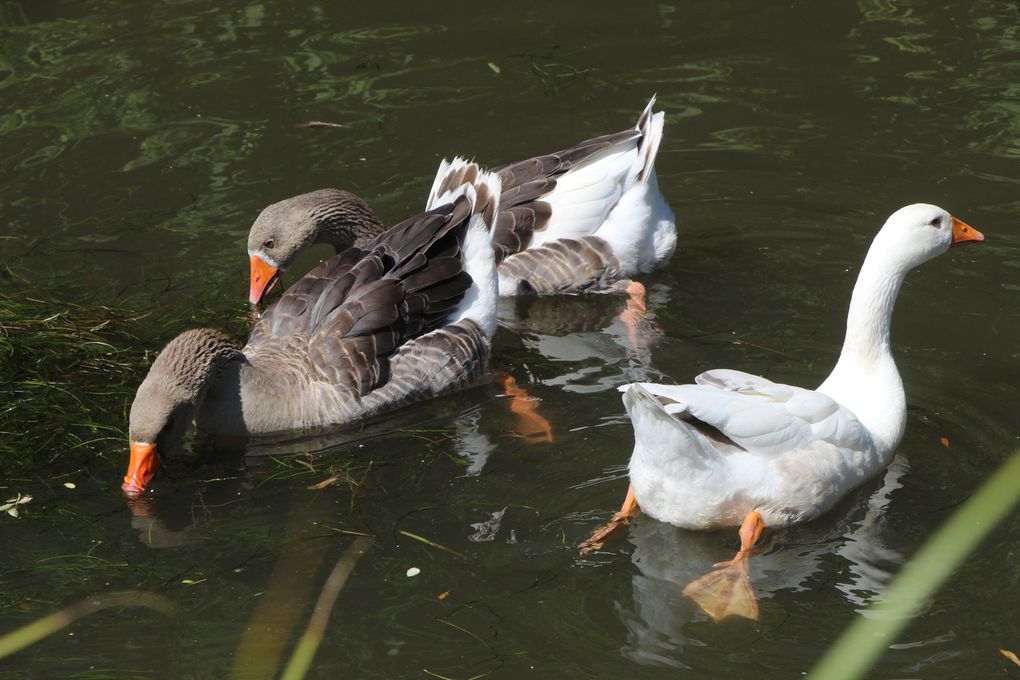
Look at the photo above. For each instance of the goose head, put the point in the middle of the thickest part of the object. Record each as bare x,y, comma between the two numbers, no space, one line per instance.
167,400
916,233
284,229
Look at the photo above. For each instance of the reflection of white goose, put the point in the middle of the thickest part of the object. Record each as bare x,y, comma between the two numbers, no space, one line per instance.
668,558
596,345
739,449
864,549
472,443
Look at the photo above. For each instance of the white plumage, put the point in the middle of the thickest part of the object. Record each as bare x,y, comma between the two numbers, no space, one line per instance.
737,449
708,454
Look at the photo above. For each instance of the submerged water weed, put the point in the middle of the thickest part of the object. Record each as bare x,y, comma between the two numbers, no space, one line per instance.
66,373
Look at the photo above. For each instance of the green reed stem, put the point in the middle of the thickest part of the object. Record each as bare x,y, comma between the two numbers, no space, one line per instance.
872,633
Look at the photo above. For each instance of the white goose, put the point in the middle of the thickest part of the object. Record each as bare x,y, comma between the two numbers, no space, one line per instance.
737,449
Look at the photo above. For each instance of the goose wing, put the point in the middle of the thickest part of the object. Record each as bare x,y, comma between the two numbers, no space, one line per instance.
352,312
761,416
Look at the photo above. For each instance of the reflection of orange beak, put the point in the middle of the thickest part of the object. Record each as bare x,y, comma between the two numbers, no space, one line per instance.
144,463
263,276
963,233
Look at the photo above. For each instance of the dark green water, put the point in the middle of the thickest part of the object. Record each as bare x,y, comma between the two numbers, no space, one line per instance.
139,140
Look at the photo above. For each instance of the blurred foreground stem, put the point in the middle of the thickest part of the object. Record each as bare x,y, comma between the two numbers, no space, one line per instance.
47,625
301,659
872,633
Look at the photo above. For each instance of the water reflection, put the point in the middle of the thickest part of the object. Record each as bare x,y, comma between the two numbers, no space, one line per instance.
587,339
210,474
668,558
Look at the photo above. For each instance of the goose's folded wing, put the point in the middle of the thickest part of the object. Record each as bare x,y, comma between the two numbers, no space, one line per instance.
356,309
761,416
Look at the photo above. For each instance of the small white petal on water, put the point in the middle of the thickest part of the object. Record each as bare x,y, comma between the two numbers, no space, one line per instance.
69,485
413,571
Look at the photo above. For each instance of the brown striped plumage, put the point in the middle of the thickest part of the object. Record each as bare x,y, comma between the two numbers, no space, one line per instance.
564,266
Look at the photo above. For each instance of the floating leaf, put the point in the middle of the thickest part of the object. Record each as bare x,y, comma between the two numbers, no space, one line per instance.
446,593
11,506
1009,655
495,68
945,441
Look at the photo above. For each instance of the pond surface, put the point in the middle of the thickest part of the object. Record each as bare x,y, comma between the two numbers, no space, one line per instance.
138,141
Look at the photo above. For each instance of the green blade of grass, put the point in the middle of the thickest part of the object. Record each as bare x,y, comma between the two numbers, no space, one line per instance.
432,543
870,635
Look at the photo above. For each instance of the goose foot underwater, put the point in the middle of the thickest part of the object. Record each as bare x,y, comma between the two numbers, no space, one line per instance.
634,314
727,591
531,425
620,521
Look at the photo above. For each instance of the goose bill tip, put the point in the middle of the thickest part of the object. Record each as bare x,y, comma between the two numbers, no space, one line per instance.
263,278
141,468
964,234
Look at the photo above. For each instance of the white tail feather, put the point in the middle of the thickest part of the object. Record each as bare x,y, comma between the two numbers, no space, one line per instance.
444,177
479,304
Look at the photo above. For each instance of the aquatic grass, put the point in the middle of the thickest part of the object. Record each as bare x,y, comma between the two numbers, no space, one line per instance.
59,372
68,371
494,654
870,635
431,543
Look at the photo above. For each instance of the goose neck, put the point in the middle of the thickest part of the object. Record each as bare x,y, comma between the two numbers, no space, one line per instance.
345,221
865,379
871,306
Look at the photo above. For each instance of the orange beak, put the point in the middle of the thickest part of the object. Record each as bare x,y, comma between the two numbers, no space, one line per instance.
963,234
263,276
144,463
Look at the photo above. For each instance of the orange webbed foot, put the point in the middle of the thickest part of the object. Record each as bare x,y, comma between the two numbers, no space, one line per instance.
619,522
727,591
530,424
634,314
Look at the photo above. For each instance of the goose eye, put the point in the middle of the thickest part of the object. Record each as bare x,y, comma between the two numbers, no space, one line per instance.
935,222
268,243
